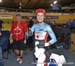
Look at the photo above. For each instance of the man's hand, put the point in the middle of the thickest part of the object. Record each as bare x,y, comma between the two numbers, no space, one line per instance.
25,41
0,34
36,43
11,41
47,44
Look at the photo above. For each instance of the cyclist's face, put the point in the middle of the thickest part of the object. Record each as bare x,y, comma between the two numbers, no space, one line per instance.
40,17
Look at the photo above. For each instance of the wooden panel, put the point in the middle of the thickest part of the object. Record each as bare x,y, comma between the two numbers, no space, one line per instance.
8,21
73,42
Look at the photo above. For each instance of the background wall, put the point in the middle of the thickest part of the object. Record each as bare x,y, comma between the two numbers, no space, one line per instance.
8,18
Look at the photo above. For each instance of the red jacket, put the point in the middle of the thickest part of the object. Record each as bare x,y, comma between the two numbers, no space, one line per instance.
18,30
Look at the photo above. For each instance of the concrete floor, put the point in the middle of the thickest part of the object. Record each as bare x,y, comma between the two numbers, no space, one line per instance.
28,58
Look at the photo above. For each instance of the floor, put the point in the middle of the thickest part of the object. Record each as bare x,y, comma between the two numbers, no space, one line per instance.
29,58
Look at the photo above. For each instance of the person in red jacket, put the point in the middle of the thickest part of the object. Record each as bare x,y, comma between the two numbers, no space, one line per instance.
17,37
